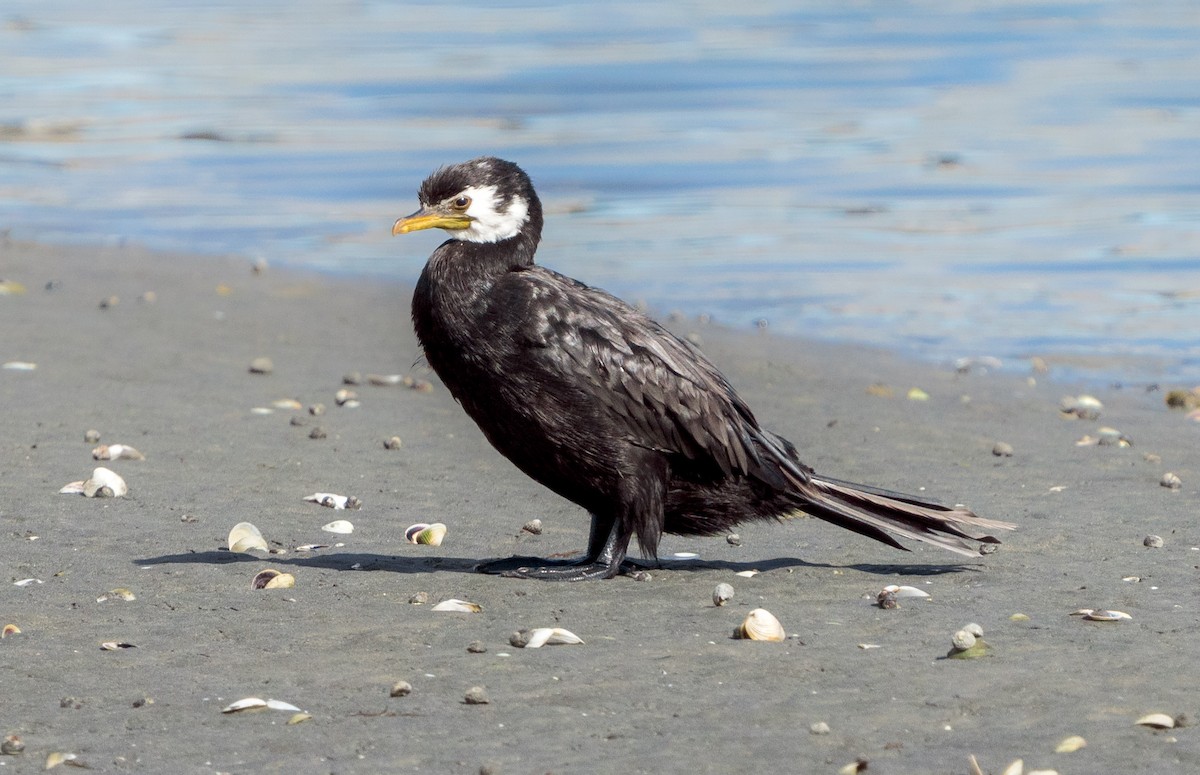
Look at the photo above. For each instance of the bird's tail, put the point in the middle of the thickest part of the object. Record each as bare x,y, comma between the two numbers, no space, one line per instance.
882,515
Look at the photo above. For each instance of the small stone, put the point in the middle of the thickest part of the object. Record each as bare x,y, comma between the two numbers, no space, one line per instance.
401,689
476,647
1152,542
12,745
533,527
420,598
110,302
261,365
392,443
1002,449
316,410
819,728
733,539
352,378
317,433
1171,481
722,594
91,436
476,695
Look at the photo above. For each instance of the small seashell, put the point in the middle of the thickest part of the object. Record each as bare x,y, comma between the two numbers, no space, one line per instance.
261,365
20,366
818,728
270,578
116,452
332,501
968,643
12,745
476,647
733,539
352,378
974,629
1070,744
343,526
385,380
11,288
963,640
869,646
1002,449
1152,542
55,758
119,593
1100,615
1171,481
544,636
459,606
685,556
1016,767
116,645
311,547
476,695
91,436
533,527
281,705
1111,437
1084,407
856,766
9,629
103,484
299,718
249,703
1156,720
27,582
430,535
392,443
419,598
346,398
316,410
902,592
722,594
245,537
317,433
917,394
747,574
760,624
287,403
401,689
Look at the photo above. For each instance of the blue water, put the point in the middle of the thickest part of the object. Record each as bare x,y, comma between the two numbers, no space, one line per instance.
940,179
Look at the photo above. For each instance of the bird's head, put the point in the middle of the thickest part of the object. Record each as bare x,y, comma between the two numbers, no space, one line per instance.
482,200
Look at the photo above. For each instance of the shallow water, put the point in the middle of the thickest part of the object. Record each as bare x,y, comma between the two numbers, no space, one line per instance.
946,180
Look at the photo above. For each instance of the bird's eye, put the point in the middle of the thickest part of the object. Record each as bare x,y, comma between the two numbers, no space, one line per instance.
462,203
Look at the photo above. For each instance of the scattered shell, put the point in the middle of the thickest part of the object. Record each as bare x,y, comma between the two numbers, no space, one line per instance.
12,745
430,535
1183,399
879,390
347,398
245,537
544,636
1171,481
119,593
1101,615
1002,449
392,443
533,527
476,647
419,598
1070,744
747,574
476,695
19,365
1084,407
9,629
91,436
1156,720
317,433
733,539
116,645
116,452
352,378
818,728
856,766
869,646
1019,617
722,594
109,302
385,380
685,556
968,643
1152,542
419,385
269,578
917,394
11,288
281,705
311,547
902,592
27,582
299,718
103,484
401,689
1016,767
974,629
249,703
316,410
760,624
332,501
287,403
343,526
55,758
261,365
459,606
963,640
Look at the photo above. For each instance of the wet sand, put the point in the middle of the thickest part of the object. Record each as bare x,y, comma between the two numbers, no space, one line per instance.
659,685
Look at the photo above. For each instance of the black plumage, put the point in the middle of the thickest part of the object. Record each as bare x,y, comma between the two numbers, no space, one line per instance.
605,407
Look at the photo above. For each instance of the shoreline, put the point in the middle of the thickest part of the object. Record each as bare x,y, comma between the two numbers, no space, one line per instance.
658,685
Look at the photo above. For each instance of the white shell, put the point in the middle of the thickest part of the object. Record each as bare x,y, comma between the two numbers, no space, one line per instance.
963,640
544,636
343,526
1099,615
747,574
1156,720
1070,744
459,606
104,481
722,593
761,624
430,535
898,592
245,537
249,703
281,705
116,452
334,501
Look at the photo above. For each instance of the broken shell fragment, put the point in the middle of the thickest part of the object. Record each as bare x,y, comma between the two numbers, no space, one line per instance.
1171,481
760,624
245,537
261,365
430,535
1156,721
393,443
901,592
747,574
333,501
343,526
1101,615
119,593
55,758
12,745
1152,542
346,398
116,645
533,527
249,703
116,452
9,629
1084,407
401,689
458,606
270,578
299,718
968,643
544,636
1070,744
722,594
103,484
385,380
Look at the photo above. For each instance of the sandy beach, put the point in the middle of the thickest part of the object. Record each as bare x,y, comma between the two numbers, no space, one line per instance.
658,685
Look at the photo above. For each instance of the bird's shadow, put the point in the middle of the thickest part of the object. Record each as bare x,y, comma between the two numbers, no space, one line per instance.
355,561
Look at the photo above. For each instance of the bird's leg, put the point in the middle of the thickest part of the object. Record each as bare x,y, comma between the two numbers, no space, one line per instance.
607,545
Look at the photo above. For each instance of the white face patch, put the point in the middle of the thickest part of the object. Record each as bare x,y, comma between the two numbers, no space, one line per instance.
488,224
